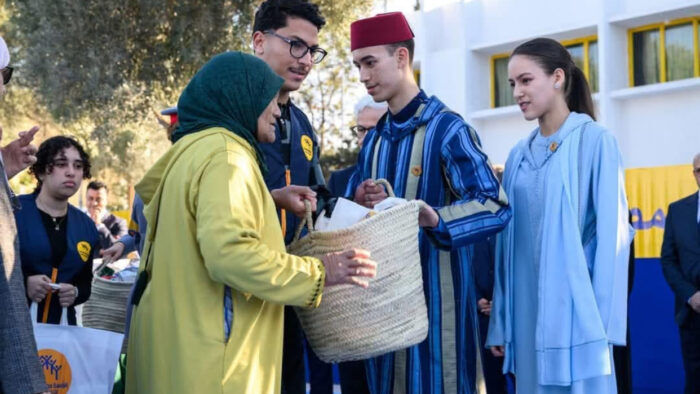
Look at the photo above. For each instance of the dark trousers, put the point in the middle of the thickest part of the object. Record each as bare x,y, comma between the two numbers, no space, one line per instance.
320,373
493,366
623,366
353,378
690,349
293,372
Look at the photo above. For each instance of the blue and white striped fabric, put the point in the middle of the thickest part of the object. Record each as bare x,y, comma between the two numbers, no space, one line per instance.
454,178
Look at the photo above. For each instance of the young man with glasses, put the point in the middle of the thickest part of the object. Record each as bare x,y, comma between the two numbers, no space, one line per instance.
286,38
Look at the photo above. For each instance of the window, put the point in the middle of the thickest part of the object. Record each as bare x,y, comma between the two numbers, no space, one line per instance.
502,92
664,52
584,52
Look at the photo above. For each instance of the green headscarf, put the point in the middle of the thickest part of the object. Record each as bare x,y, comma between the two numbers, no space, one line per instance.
230,91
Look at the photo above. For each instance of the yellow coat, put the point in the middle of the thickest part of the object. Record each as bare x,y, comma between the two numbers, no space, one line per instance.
212,222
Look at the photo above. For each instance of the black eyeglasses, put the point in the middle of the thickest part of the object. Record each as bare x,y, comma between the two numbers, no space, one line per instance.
299,49
357,129
7,74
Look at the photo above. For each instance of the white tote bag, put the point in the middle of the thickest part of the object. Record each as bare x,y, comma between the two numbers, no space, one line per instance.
76,360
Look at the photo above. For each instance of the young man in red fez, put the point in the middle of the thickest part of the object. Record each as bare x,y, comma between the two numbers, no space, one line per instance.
430,153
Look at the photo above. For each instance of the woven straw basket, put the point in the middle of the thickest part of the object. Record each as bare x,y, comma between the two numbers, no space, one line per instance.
106,308
353,323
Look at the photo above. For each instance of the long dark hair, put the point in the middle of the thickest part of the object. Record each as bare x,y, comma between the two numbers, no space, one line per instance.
550,55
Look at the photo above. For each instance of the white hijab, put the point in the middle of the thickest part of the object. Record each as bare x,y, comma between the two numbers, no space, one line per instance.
4,54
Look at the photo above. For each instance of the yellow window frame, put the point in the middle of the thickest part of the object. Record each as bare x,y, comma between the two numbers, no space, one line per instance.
661,27
585,41
493,75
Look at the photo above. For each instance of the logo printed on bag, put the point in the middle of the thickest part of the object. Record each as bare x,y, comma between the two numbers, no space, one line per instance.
308,146
83,250
57,371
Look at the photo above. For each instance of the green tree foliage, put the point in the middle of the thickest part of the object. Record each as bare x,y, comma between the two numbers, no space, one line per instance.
328,95
101,71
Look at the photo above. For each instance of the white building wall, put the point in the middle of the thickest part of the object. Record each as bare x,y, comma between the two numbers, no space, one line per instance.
655,125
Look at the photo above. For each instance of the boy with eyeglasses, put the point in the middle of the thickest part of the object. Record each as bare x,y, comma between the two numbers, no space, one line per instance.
286,38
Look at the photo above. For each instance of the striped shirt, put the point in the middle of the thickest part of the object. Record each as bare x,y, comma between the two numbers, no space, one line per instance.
427,152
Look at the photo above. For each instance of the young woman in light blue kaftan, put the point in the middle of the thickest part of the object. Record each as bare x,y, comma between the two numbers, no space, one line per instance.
560,293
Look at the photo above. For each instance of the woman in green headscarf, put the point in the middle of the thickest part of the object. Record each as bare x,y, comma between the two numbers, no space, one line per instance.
209,317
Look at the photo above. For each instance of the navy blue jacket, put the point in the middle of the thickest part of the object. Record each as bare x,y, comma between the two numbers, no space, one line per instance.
35,252
339,180
680,253
303,165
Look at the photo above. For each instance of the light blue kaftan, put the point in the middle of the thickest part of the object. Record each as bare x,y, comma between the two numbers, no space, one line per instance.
532,180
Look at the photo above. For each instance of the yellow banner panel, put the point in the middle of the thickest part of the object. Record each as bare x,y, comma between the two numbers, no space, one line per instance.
650,191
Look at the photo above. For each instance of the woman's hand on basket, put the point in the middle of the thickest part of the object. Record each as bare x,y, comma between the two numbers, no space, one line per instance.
369,194
349,267
292,199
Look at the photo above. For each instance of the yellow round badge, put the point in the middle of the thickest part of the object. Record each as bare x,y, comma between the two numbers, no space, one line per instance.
84,249
308,146
56,369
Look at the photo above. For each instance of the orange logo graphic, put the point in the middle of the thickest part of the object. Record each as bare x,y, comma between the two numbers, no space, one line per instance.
56,370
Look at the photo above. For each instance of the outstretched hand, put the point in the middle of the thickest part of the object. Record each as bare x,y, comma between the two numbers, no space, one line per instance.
20,153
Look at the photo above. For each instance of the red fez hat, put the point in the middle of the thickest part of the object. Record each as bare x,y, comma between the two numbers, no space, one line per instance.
380,29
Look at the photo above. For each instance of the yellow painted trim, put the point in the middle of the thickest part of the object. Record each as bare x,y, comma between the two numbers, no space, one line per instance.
652,26
493,76
662,54
696,45
580,40
630,56
586,62
681,21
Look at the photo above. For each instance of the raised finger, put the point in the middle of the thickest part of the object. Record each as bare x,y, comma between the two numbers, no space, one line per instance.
26,137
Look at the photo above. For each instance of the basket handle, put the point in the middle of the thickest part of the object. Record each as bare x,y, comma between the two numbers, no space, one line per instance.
387,185
308,221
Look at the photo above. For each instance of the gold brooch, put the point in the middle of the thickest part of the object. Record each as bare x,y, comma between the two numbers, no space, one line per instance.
416,171
553,146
